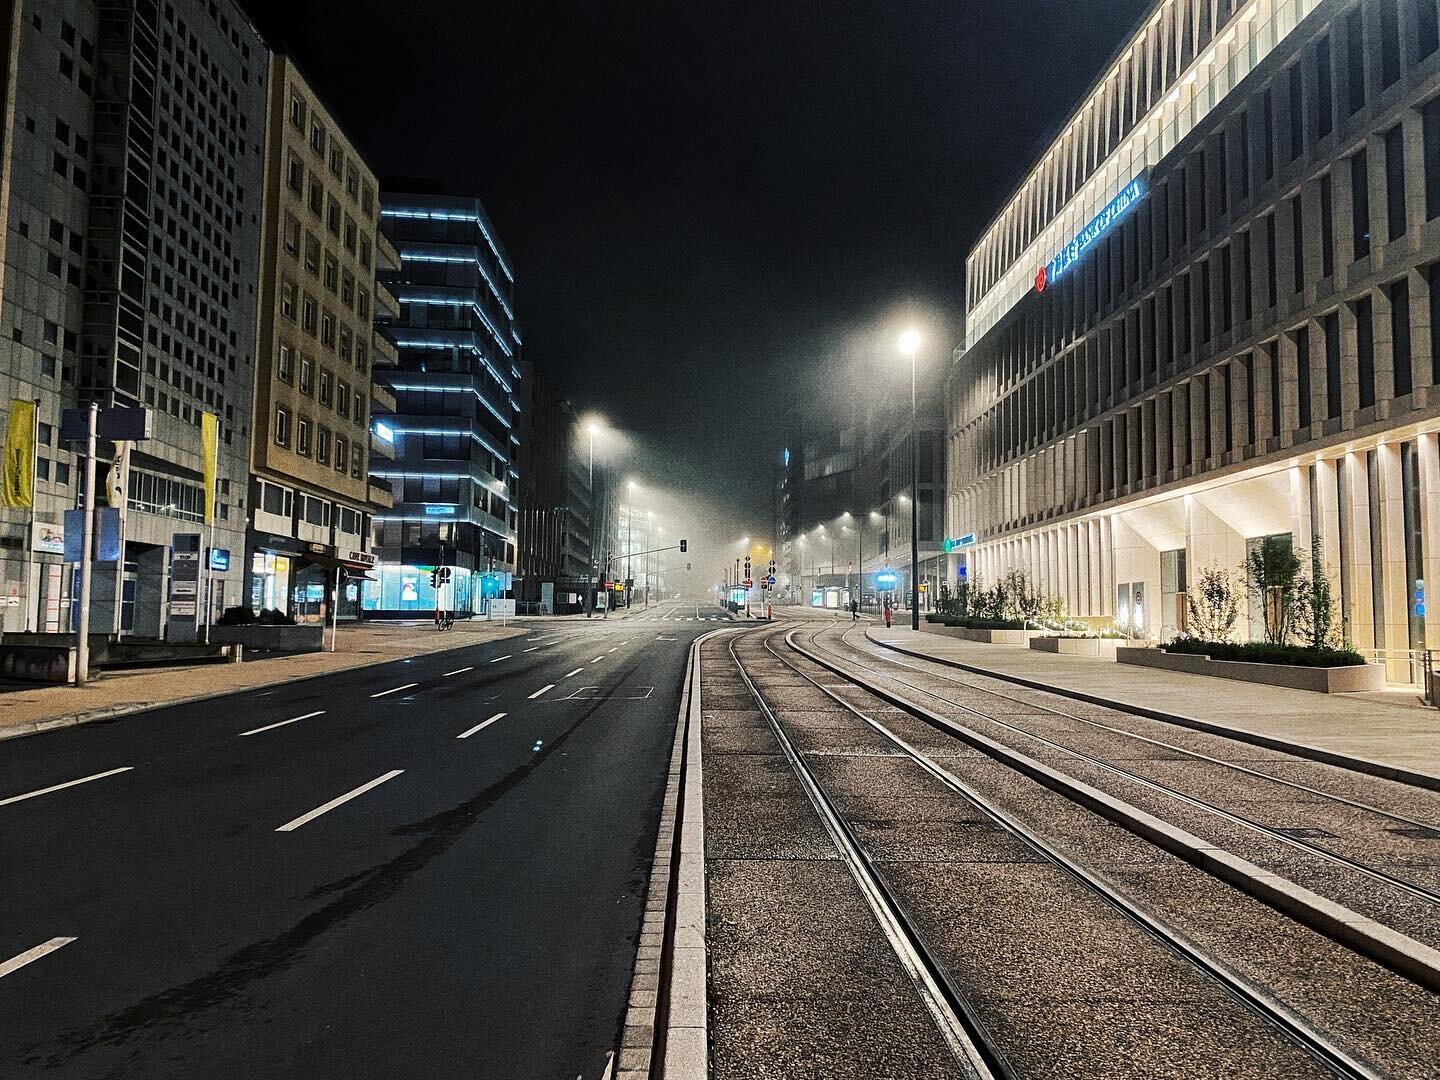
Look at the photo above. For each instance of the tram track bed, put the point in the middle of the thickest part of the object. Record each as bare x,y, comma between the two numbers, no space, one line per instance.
1067,959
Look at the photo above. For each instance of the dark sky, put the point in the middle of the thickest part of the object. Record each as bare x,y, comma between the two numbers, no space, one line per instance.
709,204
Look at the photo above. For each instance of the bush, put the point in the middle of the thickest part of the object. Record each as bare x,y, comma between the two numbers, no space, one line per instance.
1263,652
986,624
237,616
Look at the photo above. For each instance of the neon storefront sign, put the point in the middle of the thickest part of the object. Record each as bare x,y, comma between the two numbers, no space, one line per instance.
1087,237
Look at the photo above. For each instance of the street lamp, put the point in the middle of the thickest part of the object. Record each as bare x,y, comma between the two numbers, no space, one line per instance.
590,430
910,345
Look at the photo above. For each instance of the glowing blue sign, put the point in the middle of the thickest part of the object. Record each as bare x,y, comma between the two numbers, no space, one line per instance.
1103,223
431,510
968,540
887,579
384,431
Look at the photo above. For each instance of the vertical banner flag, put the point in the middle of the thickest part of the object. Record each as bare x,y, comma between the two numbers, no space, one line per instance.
118,476
210,447
18,488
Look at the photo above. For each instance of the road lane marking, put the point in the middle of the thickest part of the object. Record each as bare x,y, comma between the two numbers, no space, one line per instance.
61,787
627,641
572,674
532,648
597,659
29,956
458,671
499,658
615,649
544,689
395,689
291,826
480,726
282,723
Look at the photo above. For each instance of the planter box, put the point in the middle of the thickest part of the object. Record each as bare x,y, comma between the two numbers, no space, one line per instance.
38,663
986,637
1354,679
1077,646
294,639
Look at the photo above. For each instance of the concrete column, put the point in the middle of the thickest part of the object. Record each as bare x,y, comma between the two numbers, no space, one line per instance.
1392,556
1325,521
1361,607
1429,462
1107,565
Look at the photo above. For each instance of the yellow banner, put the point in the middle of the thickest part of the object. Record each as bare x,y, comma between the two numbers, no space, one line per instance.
210,447
18,488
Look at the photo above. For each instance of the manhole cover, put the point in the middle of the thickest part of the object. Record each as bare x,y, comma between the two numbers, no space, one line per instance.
1301,833
1416,832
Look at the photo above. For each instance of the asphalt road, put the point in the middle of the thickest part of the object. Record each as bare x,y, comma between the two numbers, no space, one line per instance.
470,909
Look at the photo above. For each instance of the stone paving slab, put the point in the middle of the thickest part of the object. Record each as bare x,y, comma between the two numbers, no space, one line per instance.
116,693
1387,728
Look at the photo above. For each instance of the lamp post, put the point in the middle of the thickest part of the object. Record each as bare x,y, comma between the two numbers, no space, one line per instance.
910,345
590,579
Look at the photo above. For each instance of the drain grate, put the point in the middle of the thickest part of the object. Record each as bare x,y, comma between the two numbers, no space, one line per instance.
1298,832
1416,832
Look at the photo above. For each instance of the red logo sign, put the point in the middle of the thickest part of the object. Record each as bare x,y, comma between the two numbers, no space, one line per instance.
1041,280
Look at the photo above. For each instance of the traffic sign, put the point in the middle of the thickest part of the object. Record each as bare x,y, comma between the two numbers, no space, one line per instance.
770,580
749,584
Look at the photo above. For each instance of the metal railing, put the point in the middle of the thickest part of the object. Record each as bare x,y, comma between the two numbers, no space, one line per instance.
1416,663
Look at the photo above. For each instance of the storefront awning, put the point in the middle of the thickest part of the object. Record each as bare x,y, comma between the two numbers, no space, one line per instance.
353,568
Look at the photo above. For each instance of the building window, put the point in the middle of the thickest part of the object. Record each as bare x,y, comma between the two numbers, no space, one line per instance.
360,357
1297,113
297,112
308,315
327,330
1395,181
287,300
1431,117
1327,226
1355,56
347,289
1206,314
307,376
1227,288
1271,272
342,398
1268,111
325,387
1302,377
322,445
1389,15
317,137
352,182
357,466
337,161
362,304
302,437
342,452
282,426
1400,337
332,273
332,216
285,364
1332,364
1427,28
312,253
1360,203
292,234
1435,323
347,341
317,197
1297,239
295,174
1324,89
351,232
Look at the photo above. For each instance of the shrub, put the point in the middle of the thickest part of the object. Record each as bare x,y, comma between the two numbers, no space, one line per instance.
1264,652
237,616
986,624
1272,571
1214,606
1022,600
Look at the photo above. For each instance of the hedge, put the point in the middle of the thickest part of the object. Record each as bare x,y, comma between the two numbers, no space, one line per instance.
1260,652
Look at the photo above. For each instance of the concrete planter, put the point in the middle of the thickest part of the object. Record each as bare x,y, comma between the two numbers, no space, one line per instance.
986,637
38,663
1077,646
1337,680
294,639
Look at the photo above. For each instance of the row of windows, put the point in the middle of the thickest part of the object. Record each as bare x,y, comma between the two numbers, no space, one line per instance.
320,323
311,438
1282,249
329,391
327,208
1373,38
340,166
305,248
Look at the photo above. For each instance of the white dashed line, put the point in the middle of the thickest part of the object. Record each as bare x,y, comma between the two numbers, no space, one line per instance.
395,689
544,689
29,956
282,723
616,649
597,659
61,787
572,674
291,826
499,658
458,671
532,648
480,726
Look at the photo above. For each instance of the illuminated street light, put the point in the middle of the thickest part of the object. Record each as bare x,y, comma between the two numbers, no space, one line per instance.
910,345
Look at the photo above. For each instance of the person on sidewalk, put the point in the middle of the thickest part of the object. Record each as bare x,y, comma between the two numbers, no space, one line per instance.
854,610
887,613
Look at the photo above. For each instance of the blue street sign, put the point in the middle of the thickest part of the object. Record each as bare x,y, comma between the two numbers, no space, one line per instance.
887,579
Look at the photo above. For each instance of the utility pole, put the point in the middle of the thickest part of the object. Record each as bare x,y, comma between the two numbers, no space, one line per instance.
87,542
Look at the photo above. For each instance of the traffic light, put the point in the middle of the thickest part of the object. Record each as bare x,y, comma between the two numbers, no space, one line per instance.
435,578
684,545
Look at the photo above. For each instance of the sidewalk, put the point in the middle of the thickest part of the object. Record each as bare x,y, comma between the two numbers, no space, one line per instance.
28,710
1389,729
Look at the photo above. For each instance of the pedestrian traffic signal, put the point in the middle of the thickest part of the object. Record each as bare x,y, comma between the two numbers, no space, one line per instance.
684,545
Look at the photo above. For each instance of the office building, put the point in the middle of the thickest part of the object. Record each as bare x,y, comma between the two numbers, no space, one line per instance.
456,379
311,499
133,151
553,504
1209,315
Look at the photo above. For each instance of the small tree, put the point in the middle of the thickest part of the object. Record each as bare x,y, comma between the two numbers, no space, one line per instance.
1315,622
1023,600
1272,571
1214,605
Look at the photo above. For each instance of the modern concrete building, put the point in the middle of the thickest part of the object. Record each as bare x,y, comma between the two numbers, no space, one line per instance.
455,379
311,499
130,198
1209,315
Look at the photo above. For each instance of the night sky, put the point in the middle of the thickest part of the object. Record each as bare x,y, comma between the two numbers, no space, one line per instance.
717,212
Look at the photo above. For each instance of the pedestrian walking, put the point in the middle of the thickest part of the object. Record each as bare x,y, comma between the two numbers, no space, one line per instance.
887,613
854,610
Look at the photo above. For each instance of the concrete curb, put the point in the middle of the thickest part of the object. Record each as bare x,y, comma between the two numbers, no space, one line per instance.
665,1033
1368,766
1398,952
109,712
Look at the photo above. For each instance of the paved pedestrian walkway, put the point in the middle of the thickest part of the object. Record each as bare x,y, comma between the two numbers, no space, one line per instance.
1392,727
115,693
